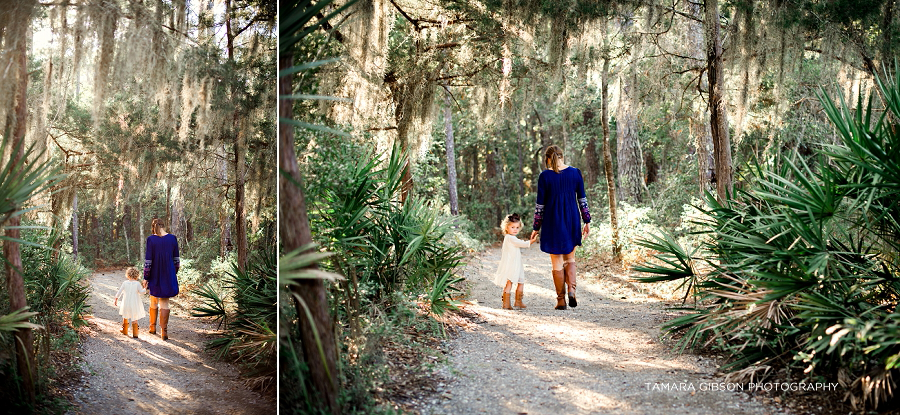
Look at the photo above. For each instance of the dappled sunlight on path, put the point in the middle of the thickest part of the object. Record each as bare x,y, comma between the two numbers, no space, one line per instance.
150,376
596,358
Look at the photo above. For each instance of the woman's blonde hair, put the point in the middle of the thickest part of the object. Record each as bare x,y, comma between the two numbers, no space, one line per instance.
157,226
514,218
552,156
132,273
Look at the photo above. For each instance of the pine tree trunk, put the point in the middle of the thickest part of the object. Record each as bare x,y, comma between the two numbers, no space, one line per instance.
628,152
126,223
142,237
699,120
451,155
295,233
520,167
240,222
717,119
590,151
224,223
75,227
607,158
15,282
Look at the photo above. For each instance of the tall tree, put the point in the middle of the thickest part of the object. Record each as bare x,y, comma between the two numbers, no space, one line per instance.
451,154
15,283
607,153
717,115
295,233
628,147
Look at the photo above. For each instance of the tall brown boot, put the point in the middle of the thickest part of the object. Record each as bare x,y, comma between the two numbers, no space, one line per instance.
570,281
164,323
519,304
125,326
134,330
560,284
152,329
506,305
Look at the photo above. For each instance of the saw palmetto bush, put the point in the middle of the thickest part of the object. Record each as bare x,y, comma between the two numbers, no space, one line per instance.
801,269
246,313
379,242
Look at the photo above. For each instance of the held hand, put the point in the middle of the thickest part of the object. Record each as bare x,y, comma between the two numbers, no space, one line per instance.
534,235
116,302
586,230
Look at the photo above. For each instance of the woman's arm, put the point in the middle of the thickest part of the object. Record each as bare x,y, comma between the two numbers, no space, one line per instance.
176,257
539,205
148,261
582,200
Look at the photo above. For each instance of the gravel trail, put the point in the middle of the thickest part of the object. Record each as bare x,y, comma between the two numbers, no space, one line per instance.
147,375
603,357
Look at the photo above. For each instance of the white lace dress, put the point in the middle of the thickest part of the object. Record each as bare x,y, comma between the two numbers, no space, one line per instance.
511,267
131,303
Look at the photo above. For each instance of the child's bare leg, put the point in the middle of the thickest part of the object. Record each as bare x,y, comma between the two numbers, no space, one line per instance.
508,286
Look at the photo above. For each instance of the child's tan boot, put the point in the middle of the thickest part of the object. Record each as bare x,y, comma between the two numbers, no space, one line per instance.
134,330
125,326
519,304
506,305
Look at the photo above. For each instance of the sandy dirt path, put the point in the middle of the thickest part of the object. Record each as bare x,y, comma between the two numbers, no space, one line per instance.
603,357
150,376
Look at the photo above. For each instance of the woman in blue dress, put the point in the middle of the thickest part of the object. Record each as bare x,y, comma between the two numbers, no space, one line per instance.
161,265
560,202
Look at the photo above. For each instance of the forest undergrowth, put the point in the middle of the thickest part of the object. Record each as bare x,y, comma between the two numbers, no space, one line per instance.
796,275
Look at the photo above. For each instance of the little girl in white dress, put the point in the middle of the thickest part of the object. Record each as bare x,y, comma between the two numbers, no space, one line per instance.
511,269
132,307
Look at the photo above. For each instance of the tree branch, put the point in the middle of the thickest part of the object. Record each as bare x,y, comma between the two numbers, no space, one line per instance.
414,22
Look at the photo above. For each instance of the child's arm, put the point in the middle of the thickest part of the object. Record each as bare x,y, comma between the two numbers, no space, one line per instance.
518,243
119,293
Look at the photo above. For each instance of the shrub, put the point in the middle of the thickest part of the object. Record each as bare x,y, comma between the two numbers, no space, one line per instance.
803,269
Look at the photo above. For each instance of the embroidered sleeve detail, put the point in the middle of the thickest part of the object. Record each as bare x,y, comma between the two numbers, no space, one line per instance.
147,263
538,216
177,263
585,212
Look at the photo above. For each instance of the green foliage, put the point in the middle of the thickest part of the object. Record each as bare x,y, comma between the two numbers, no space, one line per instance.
634,222
246,314
57,291
803,269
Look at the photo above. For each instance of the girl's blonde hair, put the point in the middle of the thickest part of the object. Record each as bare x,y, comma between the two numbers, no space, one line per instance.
157,226
132,273
514,218
552,156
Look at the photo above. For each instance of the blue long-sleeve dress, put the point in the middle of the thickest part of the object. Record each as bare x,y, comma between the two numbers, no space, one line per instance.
161,264
560,201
